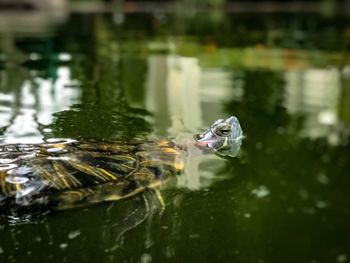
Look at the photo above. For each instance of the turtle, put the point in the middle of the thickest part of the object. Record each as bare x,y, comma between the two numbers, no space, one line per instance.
68,173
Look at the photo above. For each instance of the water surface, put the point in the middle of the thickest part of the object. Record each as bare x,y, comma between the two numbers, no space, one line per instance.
136,76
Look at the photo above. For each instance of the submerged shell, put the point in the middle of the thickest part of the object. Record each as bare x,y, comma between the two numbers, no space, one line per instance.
70,174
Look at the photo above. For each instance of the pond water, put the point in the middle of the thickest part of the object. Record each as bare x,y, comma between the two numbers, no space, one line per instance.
118,76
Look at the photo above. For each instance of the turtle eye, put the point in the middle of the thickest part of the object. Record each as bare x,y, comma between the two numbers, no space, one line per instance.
223,130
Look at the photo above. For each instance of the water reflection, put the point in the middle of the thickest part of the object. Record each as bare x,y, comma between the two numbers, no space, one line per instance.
110,223
315,94
32,105
31,17
290,182
173,93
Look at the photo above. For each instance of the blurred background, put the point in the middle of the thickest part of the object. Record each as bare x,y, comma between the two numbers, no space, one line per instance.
125,70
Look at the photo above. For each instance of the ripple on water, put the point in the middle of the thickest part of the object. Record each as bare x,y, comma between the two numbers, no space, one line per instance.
6,166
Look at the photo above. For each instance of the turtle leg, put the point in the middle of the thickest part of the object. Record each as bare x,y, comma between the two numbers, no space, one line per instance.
69,199
154,201
137,212
112,191
160,199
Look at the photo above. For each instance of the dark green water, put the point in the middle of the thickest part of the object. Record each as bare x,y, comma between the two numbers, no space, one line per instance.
121,77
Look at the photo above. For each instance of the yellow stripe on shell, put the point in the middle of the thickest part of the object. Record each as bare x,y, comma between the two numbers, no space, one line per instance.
107,173
61,174
18,187
65,174
170,150
3,182
163,143
88,170
48,178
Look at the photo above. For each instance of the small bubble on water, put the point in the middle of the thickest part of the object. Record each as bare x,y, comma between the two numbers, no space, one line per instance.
74,234
342,258
247,215
322,179
259,145
303,193
280,130
63,246
309,210
1,250
321,204
261,192
290,210
146,258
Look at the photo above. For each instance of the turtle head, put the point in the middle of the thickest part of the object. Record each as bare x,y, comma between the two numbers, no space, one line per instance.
223,137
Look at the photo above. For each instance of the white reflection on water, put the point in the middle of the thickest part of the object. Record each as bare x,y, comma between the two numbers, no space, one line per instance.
316,94
32,104
173,93
185,97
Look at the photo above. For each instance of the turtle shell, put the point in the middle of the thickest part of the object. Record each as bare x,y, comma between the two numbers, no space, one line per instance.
69,174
